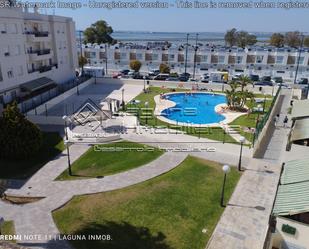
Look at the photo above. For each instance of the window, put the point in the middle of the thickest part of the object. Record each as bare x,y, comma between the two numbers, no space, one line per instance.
92,55
221,59
301,60
238,59
10,73
204,58
155,57
279,60
171,57
2,28
139,56
259,59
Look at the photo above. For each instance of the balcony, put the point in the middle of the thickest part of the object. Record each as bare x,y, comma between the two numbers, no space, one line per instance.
37,36
44,54
43,69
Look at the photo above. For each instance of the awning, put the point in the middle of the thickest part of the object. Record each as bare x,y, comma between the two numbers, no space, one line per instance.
34,85
295,171
300,109
292,199
300,130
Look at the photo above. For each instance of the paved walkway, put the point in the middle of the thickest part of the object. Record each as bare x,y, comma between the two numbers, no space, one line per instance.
244,222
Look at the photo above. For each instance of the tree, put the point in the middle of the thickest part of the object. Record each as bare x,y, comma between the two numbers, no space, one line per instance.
244,81
306,41
164,68
231,37
99,32
277,40
245,39
237,96
82,61
21,138
293,39
135,65
240,38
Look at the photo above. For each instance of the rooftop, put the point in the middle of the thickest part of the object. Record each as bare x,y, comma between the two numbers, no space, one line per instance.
293,192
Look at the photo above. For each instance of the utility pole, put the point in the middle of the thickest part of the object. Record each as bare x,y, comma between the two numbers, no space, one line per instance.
298,59
105,59
81,50
195,51
186,54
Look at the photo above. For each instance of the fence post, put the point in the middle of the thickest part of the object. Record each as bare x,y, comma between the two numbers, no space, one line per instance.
46,110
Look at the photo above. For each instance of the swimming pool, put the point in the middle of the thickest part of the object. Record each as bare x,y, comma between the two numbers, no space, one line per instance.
194,108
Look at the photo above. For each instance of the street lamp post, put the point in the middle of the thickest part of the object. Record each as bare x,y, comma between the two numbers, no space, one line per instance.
66,142
186,60
122,91
226,169
81,50
144,83
241,140
264,104
298,59
195,51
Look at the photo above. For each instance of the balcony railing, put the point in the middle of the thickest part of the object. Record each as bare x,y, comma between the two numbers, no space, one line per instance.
38,33
39,52
43,69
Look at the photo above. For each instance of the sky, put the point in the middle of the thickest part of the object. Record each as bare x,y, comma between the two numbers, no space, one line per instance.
175,19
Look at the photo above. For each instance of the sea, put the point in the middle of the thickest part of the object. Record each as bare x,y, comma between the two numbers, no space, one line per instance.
141,37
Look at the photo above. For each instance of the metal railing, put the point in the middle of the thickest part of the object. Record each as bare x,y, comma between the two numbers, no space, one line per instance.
265,118
31,103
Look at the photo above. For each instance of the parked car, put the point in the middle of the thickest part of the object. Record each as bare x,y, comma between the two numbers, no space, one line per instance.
266,79
125,71
277,80
184,77
205,78
154,72
172,79
236,76
162,76
254,77
117,75
263,83
302,81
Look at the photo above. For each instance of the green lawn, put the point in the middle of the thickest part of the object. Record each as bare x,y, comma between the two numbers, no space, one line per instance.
96,163
166,212
22,169
216,133
8,229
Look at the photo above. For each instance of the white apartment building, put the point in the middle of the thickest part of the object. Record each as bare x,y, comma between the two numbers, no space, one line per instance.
35,50
252,60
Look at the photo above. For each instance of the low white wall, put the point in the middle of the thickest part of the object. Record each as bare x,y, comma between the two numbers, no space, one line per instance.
51,103
263,134
187,85
300,239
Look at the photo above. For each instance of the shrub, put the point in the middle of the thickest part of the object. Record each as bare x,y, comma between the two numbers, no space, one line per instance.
19,138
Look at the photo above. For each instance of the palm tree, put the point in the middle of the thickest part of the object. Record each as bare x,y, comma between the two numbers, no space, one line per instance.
231,95
244,81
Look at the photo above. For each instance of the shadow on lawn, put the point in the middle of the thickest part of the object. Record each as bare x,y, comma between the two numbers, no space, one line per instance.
123,236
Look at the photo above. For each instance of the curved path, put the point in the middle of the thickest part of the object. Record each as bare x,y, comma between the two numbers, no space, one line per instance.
36,219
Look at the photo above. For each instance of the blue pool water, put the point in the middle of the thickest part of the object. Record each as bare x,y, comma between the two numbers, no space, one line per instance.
196,108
